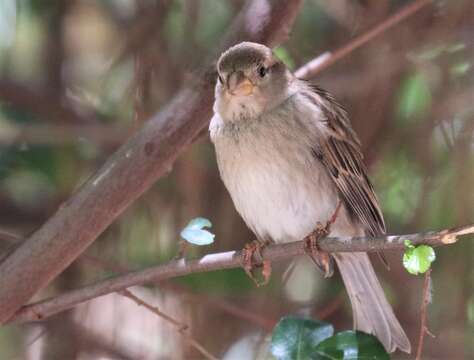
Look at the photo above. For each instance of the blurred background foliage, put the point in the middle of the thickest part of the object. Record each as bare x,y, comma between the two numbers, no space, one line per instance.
77,77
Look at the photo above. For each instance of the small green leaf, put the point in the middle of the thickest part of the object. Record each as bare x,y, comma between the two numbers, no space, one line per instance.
417,260
296,338
460,69
284,56
414,97
409,244
351,345
194,233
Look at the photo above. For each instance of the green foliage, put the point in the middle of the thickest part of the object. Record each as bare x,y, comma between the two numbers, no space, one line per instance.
284,56
195,234
418,259
11,342
310,29
295,338
460,69
414,97
351,345
298,338
399,186
175,25
214,17
470,311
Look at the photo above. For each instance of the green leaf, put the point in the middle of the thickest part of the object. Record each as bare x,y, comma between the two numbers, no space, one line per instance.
460,69
414,97
284,56
194,233
418,259
351,345
295,338
408,244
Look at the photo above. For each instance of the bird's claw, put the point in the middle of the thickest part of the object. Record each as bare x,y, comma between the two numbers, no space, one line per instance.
253,251
322,259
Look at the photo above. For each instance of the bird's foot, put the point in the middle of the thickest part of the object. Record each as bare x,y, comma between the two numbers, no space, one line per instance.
322,259
253,251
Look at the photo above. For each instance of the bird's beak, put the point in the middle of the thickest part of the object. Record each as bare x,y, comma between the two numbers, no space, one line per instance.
238,84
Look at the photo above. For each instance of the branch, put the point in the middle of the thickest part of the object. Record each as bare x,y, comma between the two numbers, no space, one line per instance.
43,102
424,305
63,134
326,59
127,174
227,260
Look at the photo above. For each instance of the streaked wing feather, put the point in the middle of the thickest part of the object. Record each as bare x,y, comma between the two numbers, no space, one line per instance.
342,156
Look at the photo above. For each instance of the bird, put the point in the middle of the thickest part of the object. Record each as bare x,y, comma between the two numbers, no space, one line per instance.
288,155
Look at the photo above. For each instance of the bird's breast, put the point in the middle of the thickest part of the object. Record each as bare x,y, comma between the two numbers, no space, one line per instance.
276,184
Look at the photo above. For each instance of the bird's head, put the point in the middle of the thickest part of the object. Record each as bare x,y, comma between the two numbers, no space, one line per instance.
251,80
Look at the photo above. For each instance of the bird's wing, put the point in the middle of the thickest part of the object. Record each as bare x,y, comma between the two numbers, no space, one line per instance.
340,153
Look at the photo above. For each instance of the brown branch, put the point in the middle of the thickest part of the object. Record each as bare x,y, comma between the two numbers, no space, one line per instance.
153,309
325,60
424,305
43,102
227,260
204,299
61,134
127,174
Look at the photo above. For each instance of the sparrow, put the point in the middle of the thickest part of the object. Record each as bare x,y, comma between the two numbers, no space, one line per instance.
288,156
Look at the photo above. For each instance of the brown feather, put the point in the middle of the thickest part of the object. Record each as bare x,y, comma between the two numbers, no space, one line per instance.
342,156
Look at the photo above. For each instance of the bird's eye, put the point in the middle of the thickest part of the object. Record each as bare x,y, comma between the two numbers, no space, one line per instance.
219,77
262,71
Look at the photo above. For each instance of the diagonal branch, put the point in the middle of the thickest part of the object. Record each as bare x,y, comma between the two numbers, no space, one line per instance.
127,174
424,305
326,59
228,260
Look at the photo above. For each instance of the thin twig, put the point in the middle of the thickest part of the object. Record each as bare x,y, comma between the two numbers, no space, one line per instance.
320,63
206,300
227,260
424,305
38,336
127,293
181,327
199,347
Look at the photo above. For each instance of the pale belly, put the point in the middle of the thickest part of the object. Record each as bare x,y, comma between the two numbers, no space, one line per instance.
281,191
281,206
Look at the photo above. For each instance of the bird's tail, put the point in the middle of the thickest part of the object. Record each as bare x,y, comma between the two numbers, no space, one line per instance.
371,310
